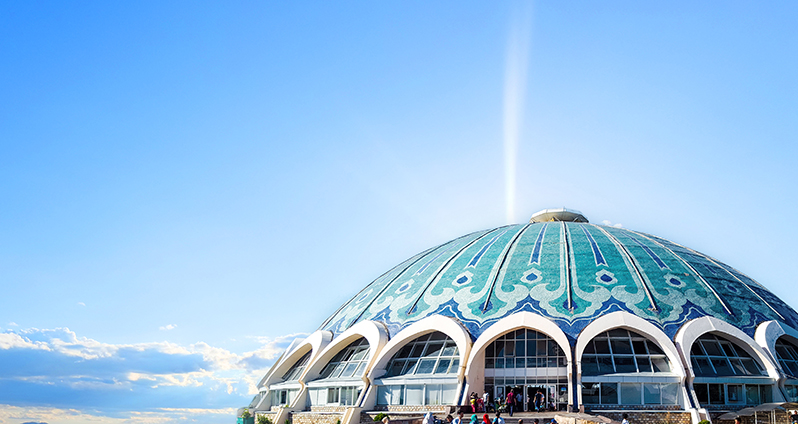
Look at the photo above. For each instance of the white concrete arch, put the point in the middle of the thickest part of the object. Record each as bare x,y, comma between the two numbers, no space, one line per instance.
374,333
769,332
694,329
449,326
475,367
766,336
314,343
635,324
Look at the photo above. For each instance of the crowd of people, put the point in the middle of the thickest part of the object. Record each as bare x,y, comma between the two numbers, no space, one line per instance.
485,419
513,402
430,419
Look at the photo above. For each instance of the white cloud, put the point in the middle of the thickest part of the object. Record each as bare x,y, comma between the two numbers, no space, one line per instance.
610,224
81,304
56,368
13,324
15,341
168,327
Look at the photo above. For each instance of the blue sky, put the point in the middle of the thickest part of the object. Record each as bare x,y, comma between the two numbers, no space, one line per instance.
187,186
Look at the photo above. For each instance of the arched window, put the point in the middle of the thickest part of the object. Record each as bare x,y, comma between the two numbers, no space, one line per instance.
349,362
622,367
296,370
622,351
435,353
422,372
347,366
714,357
524,349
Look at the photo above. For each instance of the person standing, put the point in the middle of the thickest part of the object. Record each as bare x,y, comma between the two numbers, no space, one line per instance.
486,401
459,419
498,419
538,400
625,418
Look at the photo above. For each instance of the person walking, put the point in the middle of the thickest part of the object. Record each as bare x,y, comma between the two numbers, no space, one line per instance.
498,419
625,417
510,402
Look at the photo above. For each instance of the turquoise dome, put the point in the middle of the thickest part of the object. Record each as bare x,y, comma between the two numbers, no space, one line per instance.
570,272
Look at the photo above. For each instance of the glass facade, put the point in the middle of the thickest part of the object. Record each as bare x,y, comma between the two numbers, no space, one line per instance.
733,394
350,362
524,349
334,395
630,393
417,394
296,370
622,351
527,361
787,354
433,353
284,397
714,356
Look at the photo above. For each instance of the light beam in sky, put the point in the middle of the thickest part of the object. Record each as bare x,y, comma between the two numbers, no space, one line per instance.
514,92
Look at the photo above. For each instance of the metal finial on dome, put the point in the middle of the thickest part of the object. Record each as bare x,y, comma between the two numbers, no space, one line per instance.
561,214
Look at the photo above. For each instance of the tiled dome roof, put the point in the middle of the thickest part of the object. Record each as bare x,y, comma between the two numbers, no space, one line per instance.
570,272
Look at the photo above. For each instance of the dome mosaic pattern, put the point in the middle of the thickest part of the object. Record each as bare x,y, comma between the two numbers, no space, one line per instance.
569,272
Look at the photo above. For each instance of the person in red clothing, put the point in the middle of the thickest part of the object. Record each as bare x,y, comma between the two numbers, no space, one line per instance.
510,402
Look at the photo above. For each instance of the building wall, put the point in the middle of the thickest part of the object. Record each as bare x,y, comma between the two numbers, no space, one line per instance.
471,376
315,418
648,416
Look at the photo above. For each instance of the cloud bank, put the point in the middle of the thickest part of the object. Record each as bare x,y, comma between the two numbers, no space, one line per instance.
56,370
